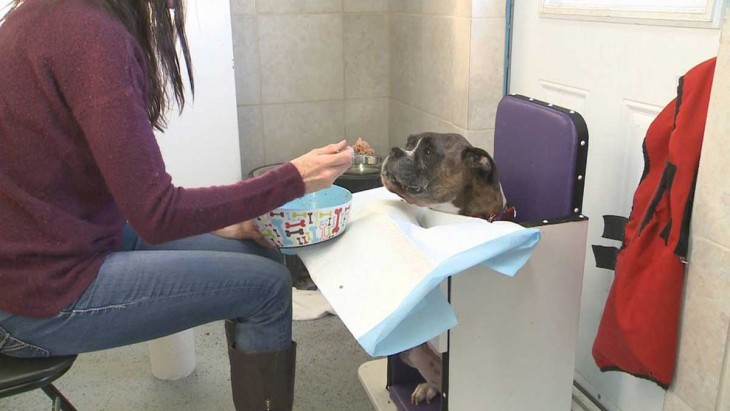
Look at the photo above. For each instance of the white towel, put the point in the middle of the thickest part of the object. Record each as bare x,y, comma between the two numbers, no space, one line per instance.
382,274
309,305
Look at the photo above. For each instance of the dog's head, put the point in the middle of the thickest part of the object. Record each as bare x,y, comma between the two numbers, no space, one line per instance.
444,172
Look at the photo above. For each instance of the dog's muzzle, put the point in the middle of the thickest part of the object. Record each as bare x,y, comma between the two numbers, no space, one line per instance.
412,189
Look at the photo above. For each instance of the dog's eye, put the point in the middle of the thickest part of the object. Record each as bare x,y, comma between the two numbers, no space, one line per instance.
428,151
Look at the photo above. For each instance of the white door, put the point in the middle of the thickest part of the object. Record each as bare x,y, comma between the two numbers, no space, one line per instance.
618,75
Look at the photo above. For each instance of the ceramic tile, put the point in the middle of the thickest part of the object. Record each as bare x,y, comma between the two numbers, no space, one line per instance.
704,326
488,8
437,68
395,5
298,6
251,137
710,217
723,397
367,55
430,65
460,8
483,139
709,270
365,5
291,130
400,125
301,58
672,402
487,72
405,58
406,120
243,7
460,59
246,60
368,119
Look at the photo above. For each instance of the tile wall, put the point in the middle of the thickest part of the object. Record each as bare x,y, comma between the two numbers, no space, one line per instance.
447,64
309,73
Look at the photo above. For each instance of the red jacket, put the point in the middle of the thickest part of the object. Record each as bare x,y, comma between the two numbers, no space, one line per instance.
638,332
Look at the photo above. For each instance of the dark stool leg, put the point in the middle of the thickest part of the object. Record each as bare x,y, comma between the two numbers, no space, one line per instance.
59,401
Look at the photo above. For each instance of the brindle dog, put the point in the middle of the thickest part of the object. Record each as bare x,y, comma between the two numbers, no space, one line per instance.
446,173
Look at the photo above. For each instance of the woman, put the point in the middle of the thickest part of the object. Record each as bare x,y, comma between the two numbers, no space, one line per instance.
82,85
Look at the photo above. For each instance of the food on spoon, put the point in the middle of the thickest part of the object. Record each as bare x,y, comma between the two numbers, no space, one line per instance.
362,147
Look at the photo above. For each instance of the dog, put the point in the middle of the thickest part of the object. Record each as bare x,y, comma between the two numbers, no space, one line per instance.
443,172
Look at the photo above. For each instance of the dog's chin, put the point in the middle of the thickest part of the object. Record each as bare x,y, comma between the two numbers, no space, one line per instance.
412,195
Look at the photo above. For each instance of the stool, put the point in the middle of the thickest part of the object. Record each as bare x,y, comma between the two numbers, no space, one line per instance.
18,375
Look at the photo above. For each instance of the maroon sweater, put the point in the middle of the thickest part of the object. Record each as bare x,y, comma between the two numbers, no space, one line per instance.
78,158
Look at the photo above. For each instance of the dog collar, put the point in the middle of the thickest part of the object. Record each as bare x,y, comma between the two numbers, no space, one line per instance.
508,213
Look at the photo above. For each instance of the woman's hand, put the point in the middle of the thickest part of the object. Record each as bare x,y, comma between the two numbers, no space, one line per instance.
320,167
245,230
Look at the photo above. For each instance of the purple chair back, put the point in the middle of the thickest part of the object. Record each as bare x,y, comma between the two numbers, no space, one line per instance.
541,151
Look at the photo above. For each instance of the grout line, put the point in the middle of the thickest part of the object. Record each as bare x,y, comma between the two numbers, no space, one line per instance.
723,392
436,116
344,77
314,101
432,15
468,74
390,74
389,95
315,13
439,118
724,247
261,87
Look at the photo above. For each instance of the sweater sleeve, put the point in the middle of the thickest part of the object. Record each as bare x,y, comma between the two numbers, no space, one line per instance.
103,81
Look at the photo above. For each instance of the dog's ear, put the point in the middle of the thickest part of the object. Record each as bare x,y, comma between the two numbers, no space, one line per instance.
477,158
412,140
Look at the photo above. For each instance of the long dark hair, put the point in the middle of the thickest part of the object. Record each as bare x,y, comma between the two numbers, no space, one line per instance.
157,28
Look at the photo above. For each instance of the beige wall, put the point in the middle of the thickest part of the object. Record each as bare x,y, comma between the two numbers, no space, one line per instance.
447,64
309,73
702,381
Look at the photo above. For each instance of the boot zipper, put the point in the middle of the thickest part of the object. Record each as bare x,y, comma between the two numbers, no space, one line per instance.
267,377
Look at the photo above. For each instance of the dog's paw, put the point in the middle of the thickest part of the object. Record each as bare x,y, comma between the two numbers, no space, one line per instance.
423,391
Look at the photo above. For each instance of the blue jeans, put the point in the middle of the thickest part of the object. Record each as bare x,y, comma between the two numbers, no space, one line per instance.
145,292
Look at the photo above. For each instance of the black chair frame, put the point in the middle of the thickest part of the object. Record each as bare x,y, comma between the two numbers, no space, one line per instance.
19,375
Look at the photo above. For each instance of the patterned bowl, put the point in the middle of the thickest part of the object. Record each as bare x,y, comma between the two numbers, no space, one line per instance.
308,220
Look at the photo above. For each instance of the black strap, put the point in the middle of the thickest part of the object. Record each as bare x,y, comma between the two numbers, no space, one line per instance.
614,226
605,256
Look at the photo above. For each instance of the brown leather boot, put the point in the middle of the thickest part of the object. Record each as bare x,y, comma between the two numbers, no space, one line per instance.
261,381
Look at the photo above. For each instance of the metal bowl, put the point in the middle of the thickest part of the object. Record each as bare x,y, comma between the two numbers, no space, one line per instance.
366,159
365,164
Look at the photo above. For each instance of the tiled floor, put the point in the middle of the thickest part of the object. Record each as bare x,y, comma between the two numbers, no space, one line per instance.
120,379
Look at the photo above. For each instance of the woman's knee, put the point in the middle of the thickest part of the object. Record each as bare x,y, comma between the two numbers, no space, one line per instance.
282,282
274,278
